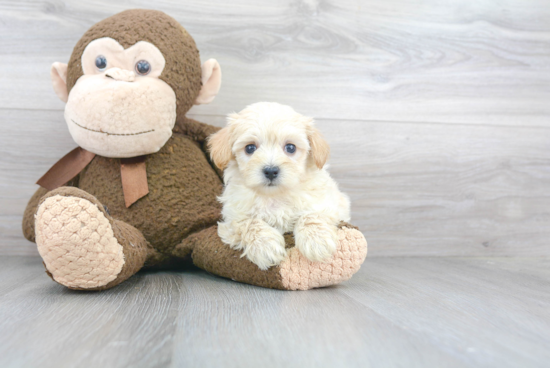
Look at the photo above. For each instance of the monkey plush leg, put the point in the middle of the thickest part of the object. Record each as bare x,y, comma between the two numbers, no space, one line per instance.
82,246
295,273
30,211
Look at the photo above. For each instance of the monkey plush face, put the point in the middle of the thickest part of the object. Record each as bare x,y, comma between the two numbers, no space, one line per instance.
130,78
119,107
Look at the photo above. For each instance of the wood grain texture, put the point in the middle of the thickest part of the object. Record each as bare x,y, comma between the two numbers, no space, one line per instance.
416,189
478,62
396,312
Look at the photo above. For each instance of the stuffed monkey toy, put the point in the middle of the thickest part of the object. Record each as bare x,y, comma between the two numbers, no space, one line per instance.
140,189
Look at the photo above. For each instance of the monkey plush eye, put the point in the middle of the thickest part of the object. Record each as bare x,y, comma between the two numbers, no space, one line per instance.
101,62
250,149
143,67
290,148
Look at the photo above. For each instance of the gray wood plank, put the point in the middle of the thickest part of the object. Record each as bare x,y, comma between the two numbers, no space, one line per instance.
17,272
416,189
476,62
246,326
489,312
396,312
48,325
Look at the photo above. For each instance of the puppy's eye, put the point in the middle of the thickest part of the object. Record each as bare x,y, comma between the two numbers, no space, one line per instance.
101,62
250,149
290,148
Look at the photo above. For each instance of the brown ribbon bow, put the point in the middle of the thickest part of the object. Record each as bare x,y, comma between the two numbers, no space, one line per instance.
132,171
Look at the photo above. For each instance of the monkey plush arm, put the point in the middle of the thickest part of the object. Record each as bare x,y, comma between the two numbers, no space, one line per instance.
30,211
196,130
199,132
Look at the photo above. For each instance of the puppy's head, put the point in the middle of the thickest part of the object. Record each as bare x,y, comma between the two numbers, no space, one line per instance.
272,145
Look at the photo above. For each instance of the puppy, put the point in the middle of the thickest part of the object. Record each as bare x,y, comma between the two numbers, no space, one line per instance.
276,182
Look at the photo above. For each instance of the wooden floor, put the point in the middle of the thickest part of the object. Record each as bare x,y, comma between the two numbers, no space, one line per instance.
396,312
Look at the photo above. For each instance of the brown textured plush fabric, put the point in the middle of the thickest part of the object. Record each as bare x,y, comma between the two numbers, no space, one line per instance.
199,132
214,256
182,71
30,211
182,192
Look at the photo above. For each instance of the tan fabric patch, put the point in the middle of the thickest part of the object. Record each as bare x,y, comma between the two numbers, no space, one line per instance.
299,273
133,173
77,243
66,168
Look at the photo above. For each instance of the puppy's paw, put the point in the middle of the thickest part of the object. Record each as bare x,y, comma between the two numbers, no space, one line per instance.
267,253
263,245
229,235
316,240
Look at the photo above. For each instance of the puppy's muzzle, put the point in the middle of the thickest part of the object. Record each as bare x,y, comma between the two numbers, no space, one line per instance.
271,172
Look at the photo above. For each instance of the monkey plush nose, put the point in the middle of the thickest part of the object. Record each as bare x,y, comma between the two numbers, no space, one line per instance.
121,74
271,172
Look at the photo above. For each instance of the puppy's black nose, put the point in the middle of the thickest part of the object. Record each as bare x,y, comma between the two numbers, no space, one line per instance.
271,172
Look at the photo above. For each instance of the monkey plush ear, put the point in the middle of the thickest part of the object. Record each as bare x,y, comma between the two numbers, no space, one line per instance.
58,73
211,82
219,146
320,149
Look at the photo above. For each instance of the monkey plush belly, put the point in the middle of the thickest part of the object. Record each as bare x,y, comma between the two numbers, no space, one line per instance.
182,192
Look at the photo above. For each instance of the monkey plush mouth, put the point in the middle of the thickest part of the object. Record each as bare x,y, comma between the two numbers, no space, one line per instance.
108,133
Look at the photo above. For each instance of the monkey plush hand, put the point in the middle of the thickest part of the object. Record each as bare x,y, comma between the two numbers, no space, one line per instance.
139,190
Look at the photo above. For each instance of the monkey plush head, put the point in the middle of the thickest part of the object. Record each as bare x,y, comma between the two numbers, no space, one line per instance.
129,79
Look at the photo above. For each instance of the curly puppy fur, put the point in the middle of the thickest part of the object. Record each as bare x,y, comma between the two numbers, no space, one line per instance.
298,195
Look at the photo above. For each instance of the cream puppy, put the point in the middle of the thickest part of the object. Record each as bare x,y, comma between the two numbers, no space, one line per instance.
275,182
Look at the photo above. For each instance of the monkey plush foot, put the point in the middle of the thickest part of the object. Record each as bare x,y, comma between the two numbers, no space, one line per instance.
294,273
299,273
82,246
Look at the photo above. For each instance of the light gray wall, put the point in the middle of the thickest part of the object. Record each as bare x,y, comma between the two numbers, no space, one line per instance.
437,112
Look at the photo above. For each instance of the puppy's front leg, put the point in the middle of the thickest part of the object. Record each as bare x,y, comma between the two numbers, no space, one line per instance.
316,236
261,244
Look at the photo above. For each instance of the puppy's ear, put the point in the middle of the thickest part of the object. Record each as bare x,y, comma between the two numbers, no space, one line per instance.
319,147
219,145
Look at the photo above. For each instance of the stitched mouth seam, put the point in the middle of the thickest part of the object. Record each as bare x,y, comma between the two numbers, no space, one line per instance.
120,134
